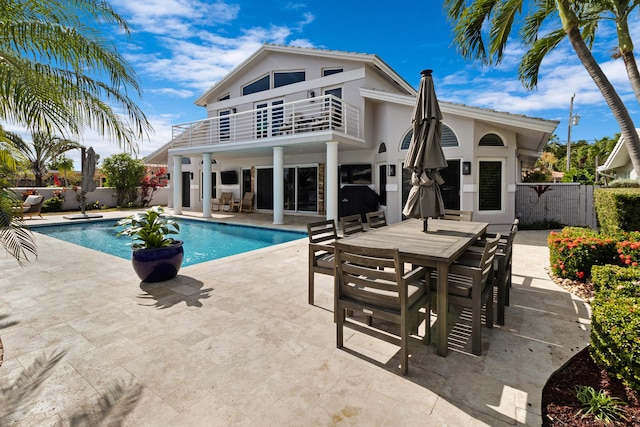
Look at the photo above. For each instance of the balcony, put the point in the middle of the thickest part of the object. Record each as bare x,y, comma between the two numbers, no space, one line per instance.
319,114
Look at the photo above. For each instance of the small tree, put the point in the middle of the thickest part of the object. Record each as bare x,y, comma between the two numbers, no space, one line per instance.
124,173
64,165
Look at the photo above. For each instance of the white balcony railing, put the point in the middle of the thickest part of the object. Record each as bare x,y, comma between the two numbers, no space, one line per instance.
310,115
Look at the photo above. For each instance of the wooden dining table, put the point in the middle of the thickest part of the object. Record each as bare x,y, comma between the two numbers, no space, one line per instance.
438,247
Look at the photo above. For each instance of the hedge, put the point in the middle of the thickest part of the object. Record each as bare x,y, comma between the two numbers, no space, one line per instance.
615,322
617,208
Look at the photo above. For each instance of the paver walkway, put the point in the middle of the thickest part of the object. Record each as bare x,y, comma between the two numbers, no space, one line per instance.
234,342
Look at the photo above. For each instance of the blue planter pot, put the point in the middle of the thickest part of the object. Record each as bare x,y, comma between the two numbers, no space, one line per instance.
158,264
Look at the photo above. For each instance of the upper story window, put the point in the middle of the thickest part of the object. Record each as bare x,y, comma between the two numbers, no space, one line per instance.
491,140
263,83
224,97
287,77
449,139
329,71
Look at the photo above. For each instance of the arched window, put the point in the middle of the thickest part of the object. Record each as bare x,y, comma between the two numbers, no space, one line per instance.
382,148
449,139
491,140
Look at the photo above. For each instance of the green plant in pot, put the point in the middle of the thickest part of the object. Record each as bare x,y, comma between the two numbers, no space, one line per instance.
155,257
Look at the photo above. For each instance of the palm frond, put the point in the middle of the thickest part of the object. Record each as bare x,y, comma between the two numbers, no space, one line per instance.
15,238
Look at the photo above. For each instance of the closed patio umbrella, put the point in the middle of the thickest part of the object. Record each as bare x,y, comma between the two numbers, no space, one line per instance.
88,173
425,156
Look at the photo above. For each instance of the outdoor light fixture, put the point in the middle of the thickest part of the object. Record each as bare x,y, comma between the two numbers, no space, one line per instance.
311,94
234,110
466,168
574,119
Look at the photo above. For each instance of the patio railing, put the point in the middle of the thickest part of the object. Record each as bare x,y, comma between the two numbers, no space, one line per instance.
317,114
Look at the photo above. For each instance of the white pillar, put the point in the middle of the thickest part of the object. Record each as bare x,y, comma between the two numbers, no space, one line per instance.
176,184
331,179
278,185
207,185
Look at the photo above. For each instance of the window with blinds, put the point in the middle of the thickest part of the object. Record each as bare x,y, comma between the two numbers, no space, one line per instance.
491,140
490,185
449,138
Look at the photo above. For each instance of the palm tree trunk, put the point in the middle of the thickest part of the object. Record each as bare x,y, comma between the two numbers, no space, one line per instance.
632,71
610,95
625,43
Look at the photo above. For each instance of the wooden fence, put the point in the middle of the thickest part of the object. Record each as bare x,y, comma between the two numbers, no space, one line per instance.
566,203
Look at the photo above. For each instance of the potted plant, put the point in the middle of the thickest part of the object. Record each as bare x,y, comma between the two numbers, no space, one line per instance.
155,256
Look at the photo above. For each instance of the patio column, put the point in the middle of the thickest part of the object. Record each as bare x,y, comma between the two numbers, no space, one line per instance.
176,185
278,185
331,178
207,185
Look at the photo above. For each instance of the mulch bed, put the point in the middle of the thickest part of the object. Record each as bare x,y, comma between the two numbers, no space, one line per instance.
559,402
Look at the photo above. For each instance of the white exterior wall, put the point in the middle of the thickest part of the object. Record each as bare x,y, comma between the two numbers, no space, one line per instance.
385,108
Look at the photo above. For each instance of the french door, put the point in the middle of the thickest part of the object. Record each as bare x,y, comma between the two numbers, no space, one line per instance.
269,118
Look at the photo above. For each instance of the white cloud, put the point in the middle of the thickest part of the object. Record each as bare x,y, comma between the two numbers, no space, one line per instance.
179,93
176,17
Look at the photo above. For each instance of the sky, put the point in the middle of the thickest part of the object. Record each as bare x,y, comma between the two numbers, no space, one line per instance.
180,48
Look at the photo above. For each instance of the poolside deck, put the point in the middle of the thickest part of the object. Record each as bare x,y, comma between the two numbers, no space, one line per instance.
234,342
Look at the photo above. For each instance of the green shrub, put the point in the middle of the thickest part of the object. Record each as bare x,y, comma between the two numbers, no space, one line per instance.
599,404
574,250
623,280
624,183
53,204
615,322
617,208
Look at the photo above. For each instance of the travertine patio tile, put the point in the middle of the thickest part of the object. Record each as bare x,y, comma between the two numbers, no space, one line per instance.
234,342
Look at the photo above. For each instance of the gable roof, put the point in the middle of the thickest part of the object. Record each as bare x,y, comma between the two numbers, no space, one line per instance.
532,132
619,156
366,58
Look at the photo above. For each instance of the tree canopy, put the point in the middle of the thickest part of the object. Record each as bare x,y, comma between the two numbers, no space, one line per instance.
61,73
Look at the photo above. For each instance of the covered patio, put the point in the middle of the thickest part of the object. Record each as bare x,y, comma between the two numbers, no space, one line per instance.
234,342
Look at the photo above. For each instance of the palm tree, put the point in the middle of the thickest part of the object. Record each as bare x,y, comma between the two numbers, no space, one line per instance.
15,238
541,34
41,151
61,72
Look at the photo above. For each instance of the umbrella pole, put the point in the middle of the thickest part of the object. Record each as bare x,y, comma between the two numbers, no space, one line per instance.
82,195
424,225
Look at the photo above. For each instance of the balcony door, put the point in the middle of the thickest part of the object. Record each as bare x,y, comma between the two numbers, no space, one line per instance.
269,118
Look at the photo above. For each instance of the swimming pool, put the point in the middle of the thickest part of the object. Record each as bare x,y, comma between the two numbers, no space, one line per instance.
203,241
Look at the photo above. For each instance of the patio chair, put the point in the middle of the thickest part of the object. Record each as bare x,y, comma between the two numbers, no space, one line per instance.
322,236
351,224
502,268
376,219
226,199
457,215
32,205
245,204
470,285
373,281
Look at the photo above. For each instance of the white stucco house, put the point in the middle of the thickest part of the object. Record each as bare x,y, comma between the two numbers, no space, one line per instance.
618,164
296,126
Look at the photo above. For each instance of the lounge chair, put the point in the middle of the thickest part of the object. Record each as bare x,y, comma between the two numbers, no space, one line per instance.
32,205
245,204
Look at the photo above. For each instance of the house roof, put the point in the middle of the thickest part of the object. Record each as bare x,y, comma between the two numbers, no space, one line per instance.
372,59
532,133
619,157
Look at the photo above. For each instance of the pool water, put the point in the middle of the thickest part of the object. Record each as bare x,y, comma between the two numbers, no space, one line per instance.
203,241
